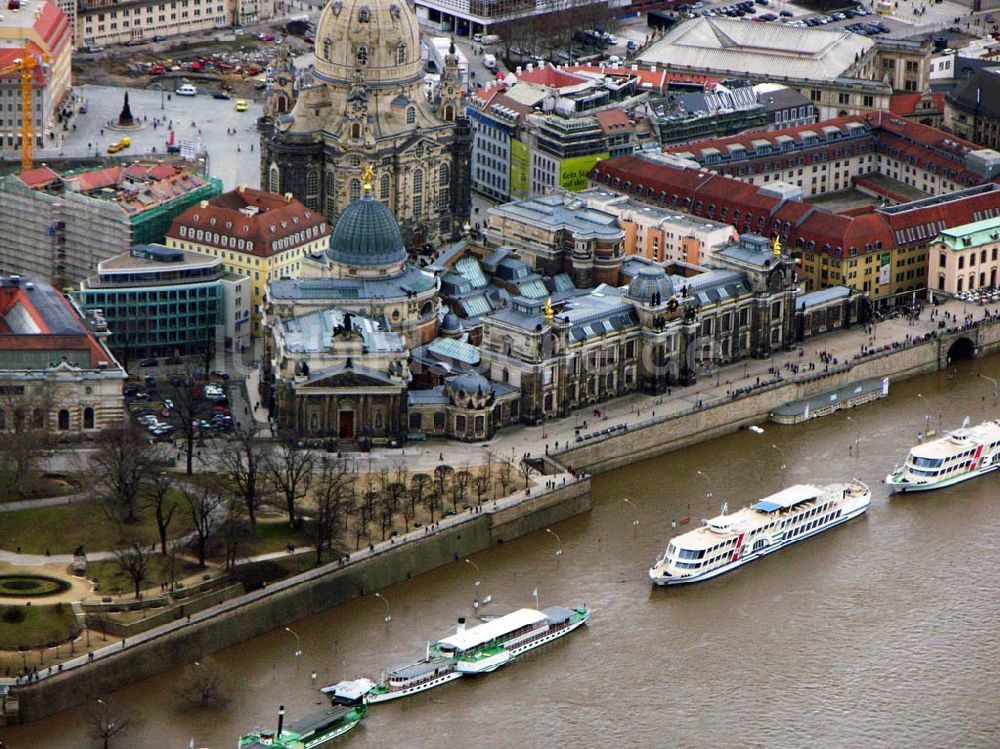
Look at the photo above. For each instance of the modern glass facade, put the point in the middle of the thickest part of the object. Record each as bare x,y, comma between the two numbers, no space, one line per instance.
158,320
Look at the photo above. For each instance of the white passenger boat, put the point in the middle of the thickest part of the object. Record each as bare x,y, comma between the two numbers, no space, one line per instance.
959,455
477,650
729,541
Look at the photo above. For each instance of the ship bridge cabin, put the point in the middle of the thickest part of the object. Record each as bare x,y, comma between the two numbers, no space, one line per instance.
509,627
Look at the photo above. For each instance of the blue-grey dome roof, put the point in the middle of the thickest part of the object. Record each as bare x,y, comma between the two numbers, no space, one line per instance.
470,382
451,323
651,286
366,234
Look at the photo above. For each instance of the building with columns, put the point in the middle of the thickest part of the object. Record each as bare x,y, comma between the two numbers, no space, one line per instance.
365,102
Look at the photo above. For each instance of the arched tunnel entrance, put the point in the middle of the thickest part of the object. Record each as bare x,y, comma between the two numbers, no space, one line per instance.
962,348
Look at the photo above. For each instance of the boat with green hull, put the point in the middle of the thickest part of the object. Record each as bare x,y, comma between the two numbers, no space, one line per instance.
311,731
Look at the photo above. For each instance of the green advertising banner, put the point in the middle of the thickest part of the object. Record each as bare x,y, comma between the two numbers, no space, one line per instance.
573,172
519,170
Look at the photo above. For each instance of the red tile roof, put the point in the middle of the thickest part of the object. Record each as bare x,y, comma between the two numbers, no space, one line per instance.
722,198
905,105
614,121
546,75
277,218
39,177
96,179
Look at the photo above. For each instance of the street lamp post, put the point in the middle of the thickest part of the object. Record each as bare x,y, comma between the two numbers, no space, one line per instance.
558,541
708,482
388,611
927,417
475,600
857,438
298,640
635,511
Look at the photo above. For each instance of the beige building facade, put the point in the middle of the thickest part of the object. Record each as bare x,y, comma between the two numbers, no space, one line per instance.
966,258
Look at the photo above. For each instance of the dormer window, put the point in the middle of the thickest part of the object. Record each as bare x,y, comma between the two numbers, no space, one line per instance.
401,53
361,54
327,48
364,15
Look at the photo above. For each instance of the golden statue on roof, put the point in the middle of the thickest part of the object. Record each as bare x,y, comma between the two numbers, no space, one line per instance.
549,312
776,245
368,177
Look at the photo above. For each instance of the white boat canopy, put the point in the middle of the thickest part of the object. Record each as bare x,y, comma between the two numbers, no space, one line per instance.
786,498
489,631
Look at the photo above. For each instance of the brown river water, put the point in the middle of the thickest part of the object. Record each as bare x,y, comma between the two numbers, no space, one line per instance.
884,632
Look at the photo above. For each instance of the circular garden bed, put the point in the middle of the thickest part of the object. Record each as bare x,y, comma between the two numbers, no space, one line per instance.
31,586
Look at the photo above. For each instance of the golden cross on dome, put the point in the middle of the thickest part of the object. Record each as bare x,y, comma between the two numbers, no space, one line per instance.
368,177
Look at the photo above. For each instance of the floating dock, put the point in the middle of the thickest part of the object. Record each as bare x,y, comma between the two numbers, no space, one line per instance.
825,404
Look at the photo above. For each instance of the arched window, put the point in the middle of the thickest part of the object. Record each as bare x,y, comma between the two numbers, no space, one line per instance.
354,191
411,115
3,419
327,48
331,185
361,55
401,54
275,184
38,418
312,182
449,113
418,180
88,418
355,130
383,187
314,423
444,175
63,420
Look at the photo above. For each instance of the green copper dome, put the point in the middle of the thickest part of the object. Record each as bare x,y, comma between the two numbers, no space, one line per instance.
366,234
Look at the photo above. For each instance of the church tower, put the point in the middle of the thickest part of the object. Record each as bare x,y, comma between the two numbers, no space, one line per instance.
283,89
364,102
450,93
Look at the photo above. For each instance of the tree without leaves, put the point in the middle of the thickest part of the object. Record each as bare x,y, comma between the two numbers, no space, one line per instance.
334,484
385,516
189,408
25,436
459,484
419,484
120,467
481,485
203,684
525,468
291,470
203,502
158,498
245,466
107,720
433,501
132,562
441,476
409,511
505,475
234,530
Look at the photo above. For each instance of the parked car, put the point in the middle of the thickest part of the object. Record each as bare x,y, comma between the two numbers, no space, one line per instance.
159,38
151,362
186,90
172,360
242,105
220,374
221,95
266,37
786,14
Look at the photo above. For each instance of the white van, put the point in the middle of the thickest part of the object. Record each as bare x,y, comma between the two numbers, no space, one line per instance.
187,90
490,62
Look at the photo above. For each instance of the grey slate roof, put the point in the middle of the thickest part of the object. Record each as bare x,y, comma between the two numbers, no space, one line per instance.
314,331
431,397
821,296
413,279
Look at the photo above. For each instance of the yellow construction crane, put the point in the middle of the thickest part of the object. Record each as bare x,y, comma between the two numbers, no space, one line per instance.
26,66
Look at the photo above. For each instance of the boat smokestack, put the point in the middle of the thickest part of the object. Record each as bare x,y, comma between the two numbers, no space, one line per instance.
461,625
281,720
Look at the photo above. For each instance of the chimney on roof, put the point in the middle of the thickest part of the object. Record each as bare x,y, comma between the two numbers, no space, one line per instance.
204,204
288,197
241,188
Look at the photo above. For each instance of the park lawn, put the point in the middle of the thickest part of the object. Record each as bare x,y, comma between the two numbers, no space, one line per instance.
40,626
60,529
275,535
109,582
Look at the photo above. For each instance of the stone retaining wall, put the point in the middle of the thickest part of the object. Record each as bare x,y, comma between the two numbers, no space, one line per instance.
281,605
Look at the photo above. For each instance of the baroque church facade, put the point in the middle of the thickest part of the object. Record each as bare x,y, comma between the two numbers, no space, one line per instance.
365,102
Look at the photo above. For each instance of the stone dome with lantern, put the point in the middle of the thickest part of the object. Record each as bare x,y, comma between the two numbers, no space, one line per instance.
364,101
